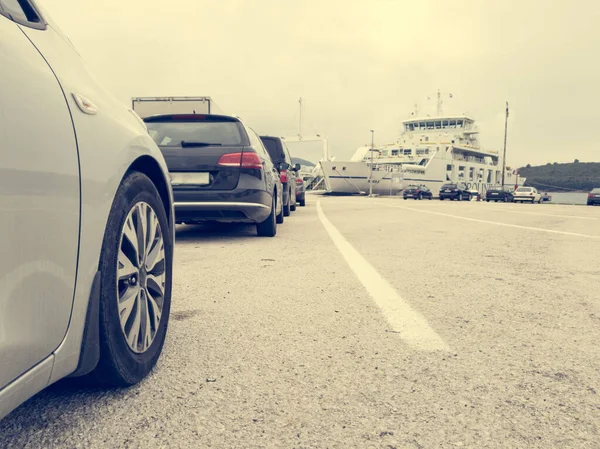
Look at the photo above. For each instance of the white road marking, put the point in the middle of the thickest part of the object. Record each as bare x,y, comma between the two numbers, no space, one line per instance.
411,326
545,215
497,223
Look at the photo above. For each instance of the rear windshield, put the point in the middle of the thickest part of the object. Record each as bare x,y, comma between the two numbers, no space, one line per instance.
449,186
276,155
524,189
172,133
596,190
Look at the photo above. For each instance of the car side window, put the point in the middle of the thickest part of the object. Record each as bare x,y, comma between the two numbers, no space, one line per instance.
22,12
288,156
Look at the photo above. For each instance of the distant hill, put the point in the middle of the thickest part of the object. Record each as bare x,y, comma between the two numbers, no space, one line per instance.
298,160
557,177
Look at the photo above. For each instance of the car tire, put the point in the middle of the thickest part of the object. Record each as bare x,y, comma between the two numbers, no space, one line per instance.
281,216
459,197
268,227
420,196
287,208
302,202
441,199
405,198
128,353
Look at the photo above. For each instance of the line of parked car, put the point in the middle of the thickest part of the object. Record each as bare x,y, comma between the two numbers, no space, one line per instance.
89,197
461,192
222,171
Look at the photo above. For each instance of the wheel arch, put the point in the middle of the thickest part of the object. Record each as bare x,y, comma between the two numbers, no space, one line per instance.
149,166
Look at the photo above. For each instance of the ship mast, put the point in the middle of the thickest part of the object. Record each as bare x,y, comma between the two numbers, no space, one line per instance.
504,155
439,101
300,119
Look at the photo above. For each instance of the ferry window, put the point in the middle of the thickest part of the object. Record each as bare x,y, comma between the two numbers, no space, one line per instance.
445,124
459,124
489,178
408,151
384,153
471,173
438,125
429,125
452,124
449,167
394,152
422,125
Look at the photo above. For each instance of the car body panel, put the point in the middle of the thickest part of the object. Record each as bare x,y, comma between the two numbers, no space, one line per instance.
280,153
593,197
454,191
416,192
110,142
39,207
232,193
497,193
527,194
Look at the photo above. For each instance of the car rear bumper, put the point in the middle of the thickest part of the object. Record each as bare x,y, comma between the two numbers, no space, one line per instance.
445,195
524,198
593,201
223,211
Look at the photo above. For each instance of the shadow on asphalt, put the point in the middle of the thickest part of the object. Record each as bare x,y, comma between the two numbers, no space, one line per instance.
61,403
214,232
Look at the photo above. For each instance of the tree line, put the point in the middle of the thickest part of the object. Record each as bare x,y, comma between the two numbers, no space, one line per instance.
562,177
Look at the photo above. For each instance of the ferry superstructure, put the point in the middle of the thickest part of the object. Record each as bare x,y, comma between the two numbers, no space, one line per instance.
431,151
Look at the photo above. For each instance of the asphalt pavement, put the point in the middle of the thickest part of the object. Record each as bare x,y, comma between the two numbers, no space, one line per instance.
365,323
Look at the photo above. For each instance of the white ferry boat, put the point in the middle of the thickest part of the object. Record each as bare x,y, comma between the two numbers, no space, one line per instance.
431,151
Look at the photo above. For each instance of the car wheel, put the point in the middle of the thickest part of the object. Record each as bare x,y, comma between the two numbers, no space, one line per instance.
293,206
441,199
268,228
280,216
136,272
303,202
405,198
459,197
287,208
420,196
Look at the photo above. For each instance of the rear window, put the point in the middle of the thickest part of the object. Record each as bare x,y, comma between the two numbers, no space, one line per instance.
276,155
172,133
596,190
449,186
524,189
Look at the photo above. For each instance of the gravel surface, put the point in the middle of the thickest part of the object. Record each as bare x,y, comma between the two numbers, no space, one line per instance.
275,343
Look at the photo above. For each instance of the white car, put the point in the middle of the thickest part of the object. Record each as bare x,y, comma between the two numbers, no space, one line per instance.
527,194
86,220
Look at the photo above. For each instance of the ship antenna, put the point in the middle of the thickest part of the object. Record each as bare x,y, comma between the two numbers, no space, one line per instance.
439,103
300,120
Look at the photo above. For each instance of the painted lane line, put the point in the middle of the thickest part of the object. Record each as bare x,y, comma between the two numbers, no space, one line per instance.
411,326
545,215
497,223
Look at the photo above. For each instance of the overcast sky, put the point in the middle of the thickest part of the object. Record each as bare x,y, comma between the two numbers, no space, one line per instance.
360,65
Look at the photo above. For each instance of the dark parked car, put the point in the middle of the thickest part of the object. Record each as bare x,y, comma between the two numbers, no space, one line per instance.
594,197
280,154
417,192
455,191
220,170
498,193
300,191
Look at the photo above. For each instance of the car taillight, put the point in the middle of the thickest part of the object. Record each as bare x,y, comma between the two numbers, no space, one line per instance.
283,176
590,195
299,181
243,160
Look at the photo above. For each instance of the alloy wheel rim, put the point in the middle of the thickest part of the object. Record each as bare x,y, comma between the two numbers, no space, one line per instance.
141,277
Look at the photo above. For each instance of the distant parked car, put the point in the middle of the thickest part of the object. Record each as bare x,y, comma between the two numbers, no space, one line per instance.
498,193
280,154
300,190
87,220
455,191
594,197
527,194
220,170
417,192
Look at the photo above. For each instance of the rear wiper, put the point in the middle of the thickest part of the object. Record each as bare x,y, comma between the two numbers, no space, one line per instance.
186,144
